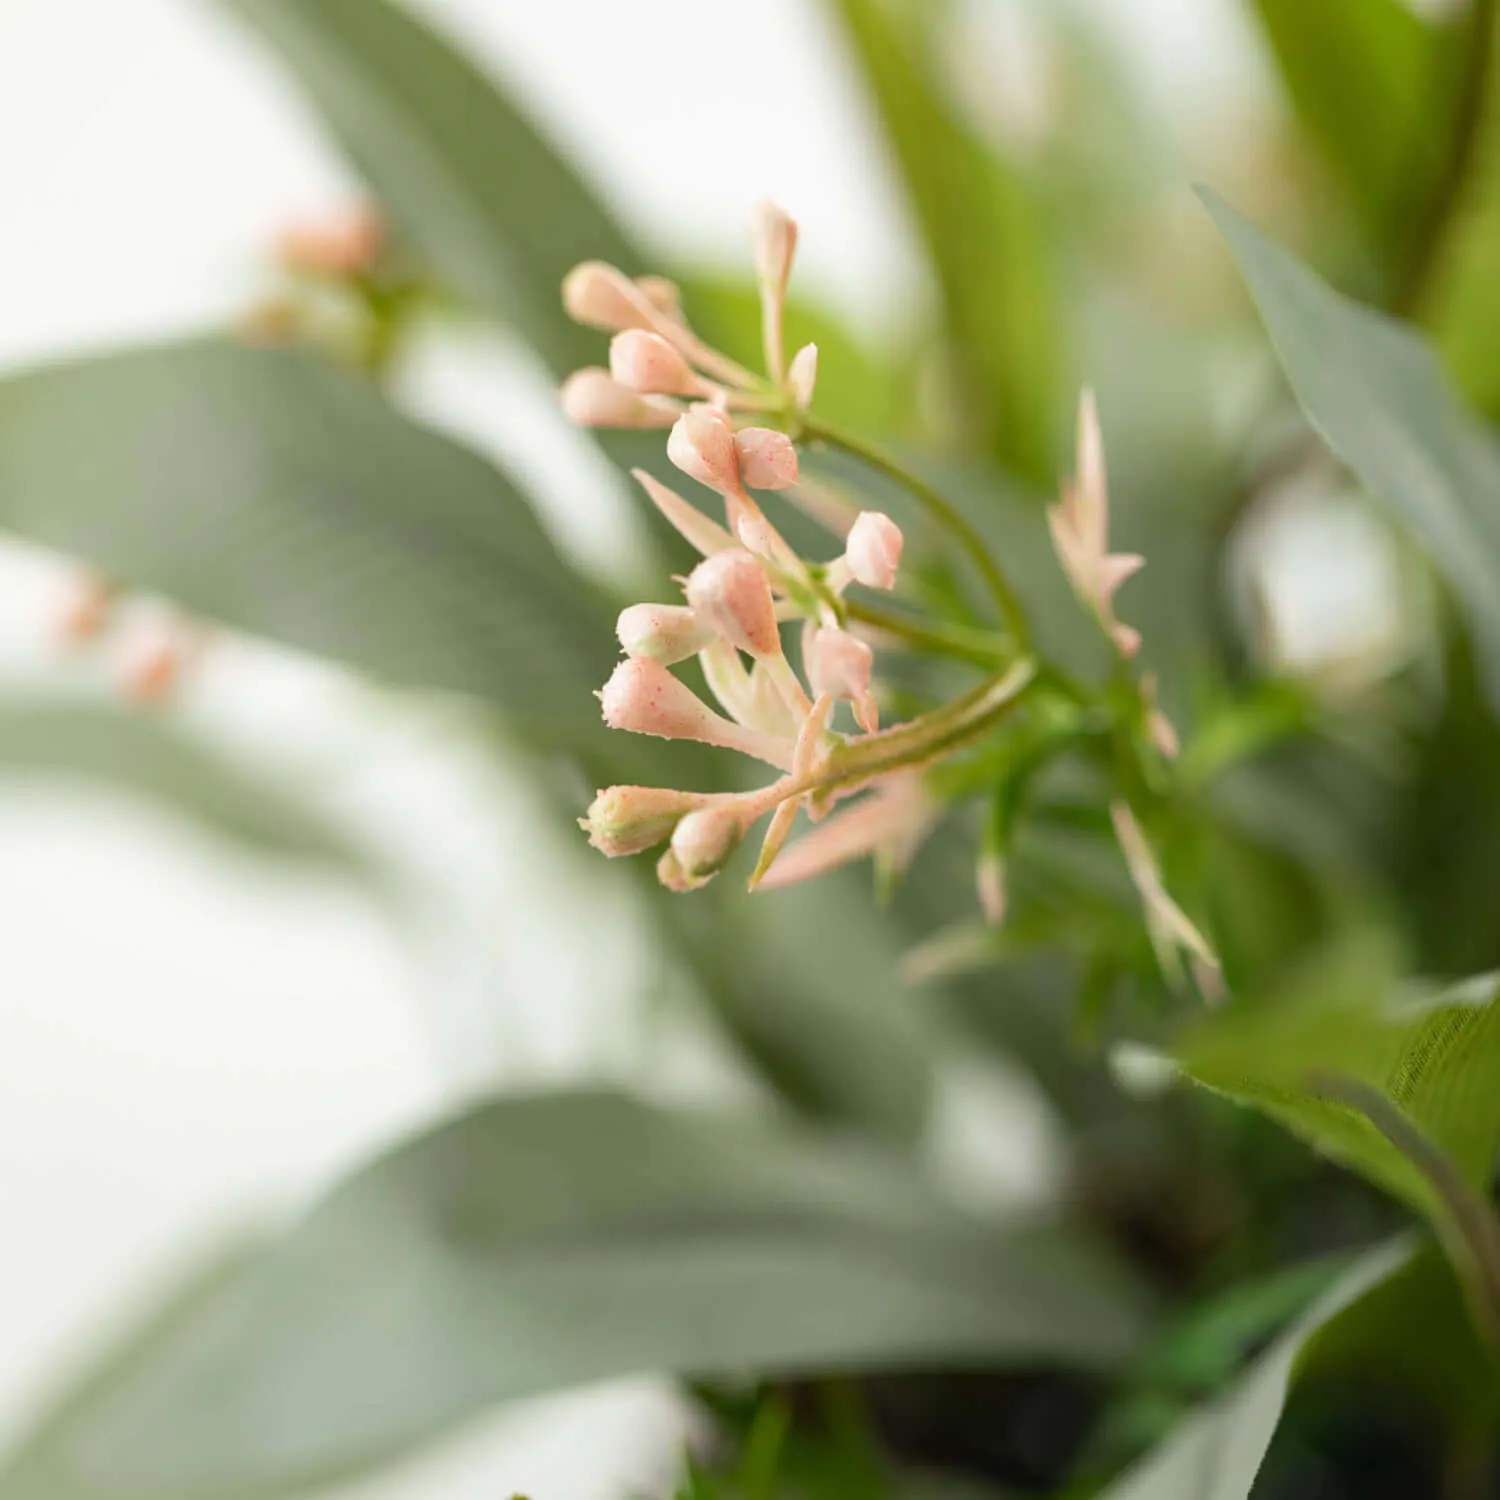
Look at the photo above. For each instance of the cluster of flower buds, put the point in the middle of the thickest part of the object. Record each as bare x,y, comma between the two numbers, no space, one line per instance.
152,654
736,601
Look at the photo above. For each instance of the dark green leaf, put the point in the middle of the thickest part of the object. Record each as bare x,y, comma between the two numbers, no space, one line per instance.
481,196
531,1244
1375,393
984,231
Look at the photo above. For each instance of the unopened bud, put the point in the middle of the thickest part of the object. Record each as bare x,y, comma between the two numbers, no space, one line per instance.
840,664
702,446
594,398
731,593
342,246
666,633
632,819
768,459
662,294
803,375
704,840
670,873
773,240
645,362
873,549
599,296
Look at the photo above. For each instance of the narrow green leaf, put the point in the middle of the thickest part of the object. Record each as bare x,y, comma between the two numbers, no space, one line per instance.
271,492
535,1243
482,196
984,230
1377,396
1217,1453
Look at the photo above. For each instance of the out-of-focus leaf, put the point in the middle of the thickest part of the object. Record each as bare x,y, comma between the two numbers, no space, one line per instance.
1376,395
142,755
1336,1032
534,1243
984,230
484,199
1370,80
1217,1453
272,493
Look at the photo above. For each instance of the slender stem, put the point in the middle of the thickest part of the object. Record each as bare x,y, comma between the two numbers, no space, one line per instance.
977,647
937,507
1463,148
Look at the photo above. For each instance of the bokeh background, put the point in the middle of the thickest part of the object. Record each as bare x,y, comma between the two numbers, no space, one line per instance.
150,1093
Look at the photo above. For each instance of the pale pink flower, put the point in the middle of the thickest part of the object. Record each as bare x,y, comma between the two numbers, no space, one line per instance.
662,294
343,245
773,238
704,840
803,376
645,362
667,633
768,459
626,820
701,444
840,665
730,593
873,550
592,397
599,296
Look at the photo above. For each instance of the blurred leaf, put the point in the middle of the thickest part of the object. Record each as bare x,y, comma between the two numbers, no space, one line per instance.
482,196
1376,395
1336,1033
535,1243
984,230
270,492
1217,1453
138,753
1370,80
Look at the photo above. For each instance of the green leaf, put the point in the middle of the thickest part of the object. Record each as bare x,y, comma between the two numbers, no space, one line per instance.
535,1243
483,198
1217,1453
1377,396
141,754
271,492
984,230
1363,77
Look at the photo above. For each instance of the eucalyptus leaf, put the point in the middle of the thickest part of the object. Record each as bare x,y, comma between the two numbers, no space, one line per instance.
534,1243
1377,396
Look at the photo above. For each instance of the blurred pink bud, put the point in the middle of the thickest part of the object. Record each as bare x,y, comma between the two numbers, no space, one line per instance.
670,873
773,240
702,446
599,296
873,550
839,664
803,375
768,459
662,294
704,840
645,362
632,819
666,633
343,245
731,593
701,533
594,398
644,698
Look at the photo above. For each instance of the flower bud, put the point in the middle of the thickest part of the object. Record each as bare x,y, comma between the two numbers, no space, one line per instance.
646,362
593,398
599,296
666,633
704,840
730,593
839,664
632,819
803,375
768,459
873,549
702,446
773,240
670,873
662,294
341,246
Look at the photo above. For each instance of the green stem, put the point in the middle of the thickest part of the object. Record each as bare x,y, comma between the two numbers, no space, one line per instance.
1463,149
977,647
1009,605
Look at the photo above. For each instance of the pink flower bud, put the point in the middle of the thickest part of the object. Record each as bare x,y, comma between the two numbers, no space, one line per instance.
768,459
803,375
839,664
702,446
704,840
666,633
646,362
662,294
632,819
873,550
670,873
599,296
773,240
644,698
731,593
593,398
340,246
